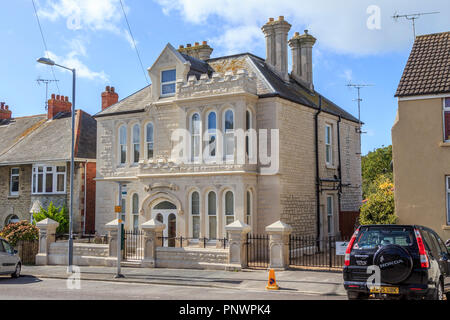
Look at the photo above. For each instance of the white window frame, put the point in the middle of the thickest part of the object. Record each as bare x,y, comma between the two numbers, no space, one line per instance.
14,193
211,133
444,109
329,144
120,145
134,214
229,132
147,142
447,183
193,135
208,215
199,215
134,144
330,217
225,208
168,82
55,174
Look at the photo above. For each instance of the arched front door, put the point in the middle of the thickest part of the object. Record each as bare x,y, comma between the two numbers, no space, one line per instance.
166,212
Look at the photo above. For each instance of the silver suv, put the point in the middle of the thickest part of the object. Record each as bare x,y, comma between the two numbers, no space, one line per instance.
9,260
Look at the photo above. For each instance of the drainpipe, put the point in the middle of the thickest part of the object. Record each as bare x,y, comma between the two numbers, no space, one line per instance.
340,162
316,129
85,193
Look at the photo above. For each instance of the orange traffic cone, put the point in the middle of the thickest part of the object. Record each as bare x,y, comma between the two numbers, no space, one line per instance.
272,283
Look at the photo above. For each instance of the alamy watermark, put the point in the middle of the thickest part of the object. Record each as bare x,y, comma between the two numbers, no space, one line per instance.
73,282
374,20
237,146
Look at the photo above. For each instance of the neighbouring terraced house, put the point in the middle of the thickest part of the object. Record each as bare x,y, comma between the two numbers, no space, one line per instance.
174,145
35,164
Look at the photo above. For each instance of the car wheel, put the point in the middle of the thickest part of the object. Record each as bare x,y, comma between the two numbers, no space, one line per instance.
438,293
16,273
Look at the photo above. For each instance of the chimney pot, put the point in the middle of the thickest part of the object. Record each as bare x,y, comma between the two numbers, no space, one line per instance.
197,44
181,46
109,97
204,43
281,18
53,96
296,34
271,19
58,103
6,107
188,45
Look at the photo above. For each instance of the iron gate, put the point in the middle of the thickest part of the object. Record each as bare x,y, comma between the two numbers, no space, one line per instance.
311,252
133,245
257,251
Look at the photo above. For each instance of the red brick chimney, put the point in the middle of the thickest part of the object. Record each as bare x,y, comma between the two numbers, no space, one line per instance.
58,104
5,113
109,97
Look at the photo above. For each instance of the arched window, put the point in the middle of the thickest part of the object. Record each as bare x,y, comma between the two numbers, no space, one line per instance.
212,137
195,136
249,208
212,215
195,213
135,211
149,140
136,143
229,134
248,137
229,207
11,219
123,144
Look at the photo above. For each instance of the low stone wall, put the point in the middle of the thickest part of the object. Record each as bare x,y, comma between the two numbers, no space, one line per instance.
84,254
192,258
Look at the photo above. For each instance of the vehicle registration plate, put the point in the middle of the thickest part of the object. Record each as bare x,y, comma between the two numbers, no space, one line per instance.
388,290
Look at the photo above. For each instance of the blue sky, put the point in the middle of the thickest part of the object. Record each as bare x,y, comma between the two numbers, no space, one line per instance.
92,36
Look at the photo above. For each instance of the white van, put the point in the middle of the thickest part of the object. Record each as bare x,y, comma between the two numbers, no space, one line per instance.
9,260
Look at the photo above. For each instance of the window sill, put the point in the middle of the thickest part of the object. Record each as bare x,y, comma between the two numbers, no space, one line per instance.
330,166
49,194
13,196
446,227
444,144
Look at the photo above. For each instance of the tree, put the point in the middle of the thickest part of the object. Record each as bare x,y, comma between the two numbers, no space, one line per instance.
58,214
373,165
379,207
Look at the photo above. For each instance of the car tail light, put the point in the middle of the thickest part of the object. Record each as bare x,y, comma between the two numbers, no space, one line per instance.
349,248
423,254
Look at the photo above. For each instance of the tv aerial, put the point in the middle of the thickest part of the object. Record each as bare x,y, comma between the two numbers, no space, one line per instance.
358,87
46,82
413,17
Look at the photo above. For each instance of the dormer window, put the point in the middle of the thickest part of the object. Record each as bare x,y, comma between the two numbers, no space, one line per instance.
168,80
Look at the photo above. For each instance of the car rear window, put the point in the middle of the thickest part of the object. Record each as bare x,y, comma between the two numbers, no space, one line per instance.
372,238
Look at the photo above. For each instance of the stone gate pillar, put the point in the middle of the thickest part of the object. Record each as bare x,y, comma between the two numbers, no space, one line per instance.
237,255
279,245
111,227
153,231
47,232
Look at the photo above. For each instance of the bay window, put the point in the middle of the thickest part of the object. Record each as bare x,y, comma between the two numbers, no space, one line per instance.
48,179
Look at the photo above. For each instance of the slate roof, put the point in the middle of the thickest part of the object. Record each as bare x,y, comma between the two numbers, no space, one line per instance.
292,90
36,139
428,68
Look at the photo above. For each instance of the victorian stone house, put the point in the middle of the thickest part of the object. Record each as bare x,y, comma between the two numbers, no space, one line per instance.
190,149
35,164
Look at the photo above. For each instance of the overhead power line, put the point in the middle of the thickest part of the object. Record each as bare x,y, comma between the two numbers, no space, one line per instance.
134,43
45,44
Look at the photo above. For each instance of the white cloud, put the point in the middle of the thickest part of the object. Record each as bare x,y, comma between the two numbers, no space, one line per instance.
71,60
237,39
338,26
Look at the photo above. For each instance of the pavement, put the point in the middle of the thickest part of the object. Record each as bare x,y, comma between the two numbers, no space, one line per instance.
305,282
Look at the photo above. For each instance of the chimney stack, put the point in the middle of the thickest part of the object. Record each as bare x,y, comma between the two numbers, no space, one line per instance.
58,104
109,97
301,46
5,113
276,32
199,51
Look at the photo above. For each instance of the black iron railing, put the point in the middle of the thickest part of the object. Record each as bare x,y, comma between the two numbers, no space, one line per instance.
309,251
258,250
133,245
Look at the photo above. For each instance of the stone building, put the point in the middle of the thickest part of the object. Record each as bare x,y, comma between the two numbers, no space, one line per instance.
189,150
421,136
35,164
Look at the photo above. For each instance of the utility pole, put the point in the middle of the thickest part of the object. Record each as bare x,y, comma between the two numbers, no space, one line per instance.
412,17
46,82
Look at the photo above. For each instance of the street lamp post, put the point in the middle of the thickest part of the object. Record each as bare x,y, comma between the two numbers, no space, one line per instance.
52,63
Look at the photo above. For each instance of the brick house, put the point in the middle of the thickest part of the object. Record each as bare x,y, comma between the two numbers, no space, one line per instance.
35,163
421,136
223,103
